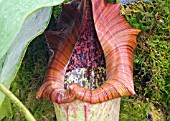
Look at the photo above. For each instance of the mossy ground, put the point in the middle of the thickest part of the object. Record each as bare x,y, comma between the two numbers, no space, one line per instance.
151,64
151,68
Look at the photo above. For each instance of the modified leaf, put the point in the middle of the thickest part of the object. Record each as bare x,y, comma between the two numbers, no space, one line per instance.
75,50
77,55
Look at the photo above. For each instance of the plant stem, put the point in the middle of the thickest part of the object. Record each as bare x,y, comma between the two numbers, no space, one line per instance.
16,101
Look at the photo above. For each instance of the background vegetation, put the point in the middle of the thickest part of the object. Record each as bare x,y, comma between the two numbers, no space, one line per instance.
151,68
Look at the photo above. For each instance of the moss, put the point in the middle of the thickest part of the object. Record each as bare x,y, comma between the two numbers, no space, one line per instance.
28,81
151,64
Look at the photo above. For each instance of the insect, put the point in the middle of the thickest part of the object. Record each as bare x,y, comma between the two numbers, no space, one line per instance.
98,40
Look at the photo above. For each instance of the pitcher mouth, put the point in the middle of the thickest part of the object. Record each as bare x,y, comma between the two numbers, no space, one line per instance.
86,66
115,40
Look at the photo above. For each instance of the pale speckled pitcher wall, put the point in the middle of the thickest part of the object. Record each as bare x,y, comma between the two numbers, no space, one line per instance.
81,111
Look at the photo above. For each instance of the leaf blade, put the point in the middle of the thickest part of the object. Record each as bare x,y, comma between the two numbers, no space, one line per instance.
33,26
13,14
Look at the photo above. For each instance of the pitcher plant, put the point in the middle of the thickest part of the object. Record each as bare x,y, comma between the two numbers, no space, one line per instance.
92,63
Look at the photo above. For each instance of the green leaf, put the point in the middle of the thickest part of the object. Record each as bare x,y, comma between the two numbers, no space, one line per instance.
5,109
20,22
32,27
12,16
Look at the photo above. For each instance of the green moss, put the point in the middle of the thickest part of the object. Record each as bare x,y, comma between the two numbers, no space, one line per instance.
133,110
152,61
28,81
